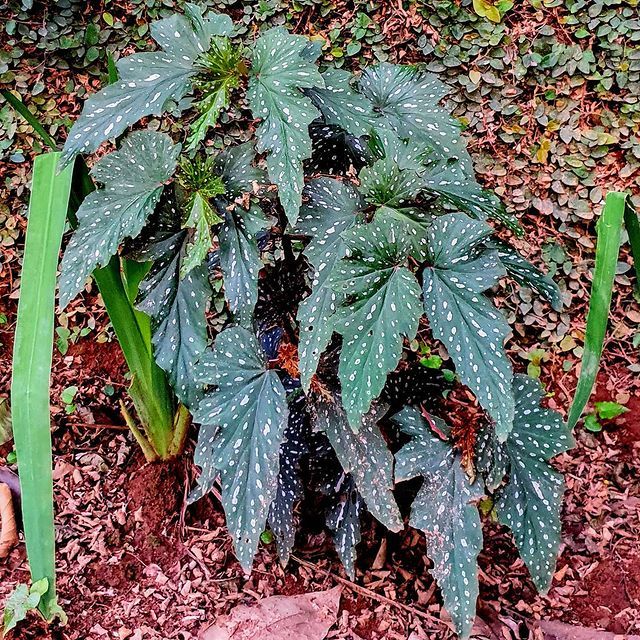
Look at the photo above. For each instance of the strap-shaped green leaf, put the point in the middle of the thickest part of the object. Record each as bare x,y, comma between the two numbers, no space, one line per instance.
242,429
408,103
330,209
278,72
176,305
341,105
443,510
240,259
366,457
236,167
463,319
384,306
531,502
147,82
527,274
133,179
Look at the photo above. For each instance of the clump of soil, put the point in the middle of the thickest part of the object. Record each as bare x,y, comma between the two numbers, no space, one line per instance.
612,590
149,534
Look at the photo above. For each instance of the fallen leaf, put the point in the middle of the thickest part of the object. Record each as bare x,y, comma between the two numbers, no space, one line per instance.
304,617
559,631
8,528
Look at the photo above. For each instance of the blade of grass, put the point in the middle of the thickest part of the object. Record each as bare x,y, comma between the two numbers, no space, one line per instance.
23,110
32,357
609,231
118,283
632,224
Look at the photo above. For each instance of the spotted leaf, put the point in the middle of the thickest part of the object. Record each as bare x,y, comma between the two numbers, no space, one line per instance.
243,424
526,274
290,489
133,179
201,218
236,167
444,511
147,82
176,305
330,209
240,259
278,72
341,105
406,100
463,319
382,305
366,457
343,518
531,502
448,179
392,190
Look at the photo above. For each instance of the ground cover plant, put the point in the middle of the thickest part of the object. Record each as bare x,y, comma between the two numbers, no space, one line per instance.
400,225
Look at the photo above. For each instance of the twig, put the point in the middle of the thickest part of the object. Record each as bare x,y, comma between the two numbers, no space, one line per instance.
372,594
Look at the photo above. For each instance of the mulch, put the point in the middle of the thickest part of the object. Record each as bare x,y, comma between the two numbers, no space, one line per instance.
134,562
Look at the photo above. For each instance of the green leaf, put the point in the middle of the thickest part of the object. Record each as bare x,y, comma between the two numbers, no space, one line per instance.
278,72
449,180
531,502
609,229
330,209
201,218
366,457
209,25
464,320
210,108
240,437
32,353
222,74
21,601
341,105
392,189
68,394
240,260
486,9
133,178
176,305
608,410
443,510
526,274
591,423
383,306
147,82
408,103
235,167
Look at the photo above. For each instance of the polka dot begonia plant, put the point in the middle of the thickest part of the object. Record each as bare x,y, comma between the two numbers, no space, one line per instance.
359,189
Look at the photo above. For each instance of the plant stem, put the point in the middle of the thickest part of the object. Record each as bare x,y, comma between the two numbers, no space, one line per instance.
181,424
149,452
